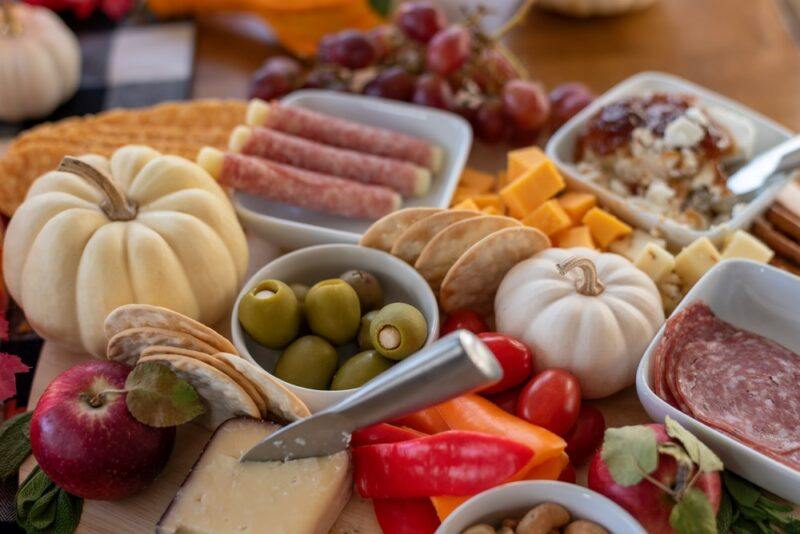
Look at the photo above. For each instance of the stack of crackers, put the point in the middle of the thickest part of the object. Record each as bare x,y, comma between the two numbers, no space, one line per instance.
229,385
180,128
779,228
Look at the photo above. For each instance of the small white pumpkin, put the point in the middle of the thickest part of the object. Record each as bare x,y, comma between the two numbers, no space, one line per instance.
40,62
160,232
590,313
594,8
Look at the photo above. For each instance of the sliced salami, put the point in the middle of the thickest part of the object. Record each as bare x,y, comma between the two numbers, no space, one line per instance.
342,133
404,177
306,189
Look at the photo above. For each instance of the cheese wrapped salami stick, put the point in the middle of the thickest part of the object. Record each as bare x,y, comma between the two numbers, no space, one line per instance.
402,176
341,133
298,187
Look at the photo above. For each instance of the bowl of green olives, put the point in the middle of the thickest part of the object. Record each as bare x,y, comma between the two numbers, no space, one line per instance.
327,319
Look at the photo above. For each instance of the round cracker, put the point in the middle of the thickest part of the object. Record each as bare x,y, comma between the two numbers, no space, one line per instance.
410,243
224,398
384,231
473,280
145,315
447,246
280,401
128,345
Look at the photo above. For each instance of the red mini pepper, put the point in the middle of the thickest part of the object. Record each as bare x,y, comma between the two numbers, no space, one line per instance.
406,516
383,433
449,463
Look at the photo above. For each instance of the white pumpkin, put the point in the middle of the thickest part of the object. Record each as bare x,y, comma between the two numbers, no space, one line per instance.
160,232
594,8
590,313
40,62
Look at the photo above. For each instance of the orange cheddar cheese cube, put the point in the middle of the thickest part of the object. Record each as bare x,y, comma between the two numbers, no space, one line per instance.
532,189
467,204
577,236
463,193
524,159
490,199
491,210
550,218
576,204
477,180
604,227
502,179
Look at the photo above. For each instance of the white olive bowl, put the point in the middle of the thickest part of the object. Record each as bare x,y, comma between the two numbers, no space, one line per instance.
515,499
400,282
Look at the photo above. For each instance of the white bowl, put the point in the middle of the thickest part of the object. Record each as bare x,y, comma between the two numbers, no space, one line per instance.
400,282
766,134
515,499
758,298
292,227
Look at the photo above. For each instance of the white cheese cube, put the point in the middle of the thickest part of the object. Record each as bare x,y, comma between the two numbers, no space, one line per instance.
743,245
693,261
655,261
632,244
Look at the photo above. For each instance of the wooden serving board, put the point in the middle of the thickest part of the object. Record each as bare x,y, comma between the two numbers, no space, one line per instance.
139,514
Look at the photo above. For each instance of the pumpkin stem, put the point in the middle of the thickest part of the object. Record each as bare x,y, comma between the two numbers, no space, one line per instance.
590,285
9,25
116,205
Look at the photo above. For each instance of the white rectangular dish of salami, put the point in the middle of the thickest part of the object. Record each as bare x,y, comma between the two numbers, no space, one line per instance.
379,146
726,366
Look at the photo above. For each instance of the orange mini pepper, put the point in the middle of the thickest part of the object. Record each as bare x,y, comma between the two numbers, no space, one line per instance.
428,421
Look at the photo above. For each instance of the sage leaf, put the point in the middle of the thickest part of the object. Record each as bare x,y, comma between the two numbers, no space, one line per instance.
157,397
743,492
725,515
630,452
43,511
693,514
700,454
43,507
68,513
15,444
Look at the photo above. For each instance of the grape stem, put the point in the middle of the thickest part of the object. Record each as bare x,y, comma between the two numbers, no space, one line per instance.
473,20
515,19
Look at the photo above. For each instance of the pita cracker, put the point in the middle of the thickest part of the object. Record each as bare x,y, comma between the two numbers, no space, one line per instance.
447,246
384,231
147,316
128,345
280,401
473,280
410,243
223,397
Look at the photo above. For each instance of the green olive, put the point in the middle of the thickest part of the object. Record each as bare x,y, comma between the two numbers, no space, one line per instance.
360,369
309,362
333,311
398,330
300,291
270,314
364,342
369,290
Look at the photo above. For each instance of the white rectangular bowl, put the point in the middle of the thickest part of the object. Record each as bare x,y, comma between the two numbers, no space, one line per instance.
561,149
291,227
758,298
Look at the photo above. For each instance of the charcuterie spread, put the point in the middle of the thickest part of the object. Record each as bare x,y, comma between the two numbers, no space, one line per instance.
734,380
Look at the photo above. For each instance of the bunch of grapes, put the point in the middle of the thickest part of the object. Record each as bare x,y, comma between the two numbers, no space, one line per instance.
423,59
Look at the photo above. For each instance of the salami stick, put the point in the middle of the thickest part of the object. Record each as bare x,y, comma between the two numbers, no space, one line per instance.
402,176
298,187
342,133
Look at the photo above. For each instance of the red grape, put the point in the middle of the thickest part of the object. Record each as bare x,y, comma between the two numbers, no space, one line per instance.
493,69
490,123
384,40
394,83
449,49
433,91
324,79
526,104
348,48
567,100
420,20
276,77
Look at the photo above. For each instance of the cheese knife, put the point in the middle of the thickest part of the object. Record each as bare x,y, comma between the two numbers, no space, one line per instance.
456,364
765,169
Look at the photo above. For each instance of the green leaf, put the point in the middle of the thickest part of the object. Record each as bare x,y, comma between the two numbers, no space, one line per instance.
700,454
676,451
630,453
157,397
31,490
725,515
693,514
743,492
768,504
15,444
43,511
68,513
43,507
381,6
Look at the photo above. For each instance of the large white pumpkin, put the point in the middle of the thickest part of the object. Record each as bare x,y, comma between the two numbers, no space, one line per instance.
161,232
592,314
40,62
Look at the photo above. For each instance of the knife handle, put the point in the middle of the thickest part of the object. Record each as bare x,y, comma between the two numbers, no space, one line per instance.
456,364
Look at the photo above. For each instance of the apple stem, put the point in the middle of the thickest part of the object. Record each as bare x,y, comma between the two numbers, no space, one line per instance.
96,400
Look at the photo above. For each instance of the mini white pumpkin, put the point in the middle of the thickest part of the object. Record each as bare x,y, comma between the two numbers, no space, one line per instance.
40,62
160,232
590,313
594,8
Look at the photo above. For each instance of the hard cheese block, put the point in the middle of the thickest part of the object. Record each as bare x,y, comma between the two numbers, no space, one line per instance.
222,494
693,261
532,189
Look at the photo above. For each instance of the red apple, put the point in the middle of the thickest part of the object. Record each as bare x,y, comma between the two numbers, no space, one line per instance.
650,505
89,444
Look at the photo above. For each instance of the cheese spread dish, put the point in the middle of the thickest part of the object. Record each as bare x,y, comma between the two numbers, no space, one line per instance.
663,152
